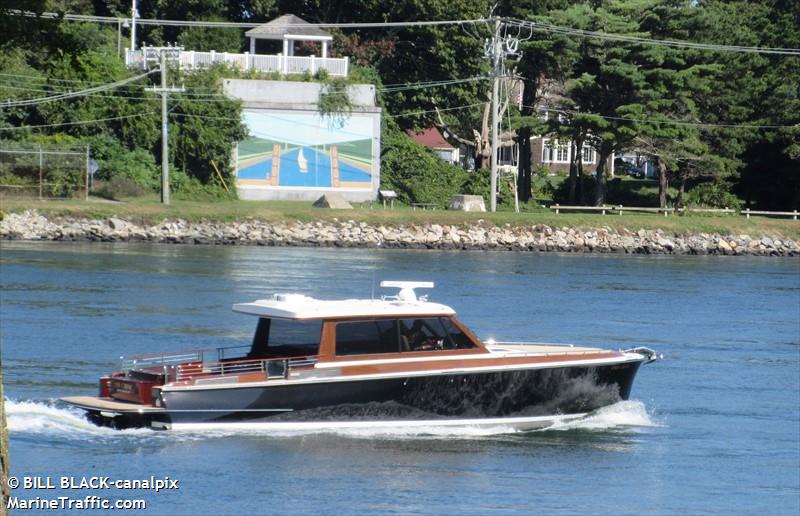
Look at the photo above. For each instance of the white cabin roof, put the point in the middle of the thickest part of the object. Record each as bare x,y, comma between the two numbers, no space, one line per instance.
298,306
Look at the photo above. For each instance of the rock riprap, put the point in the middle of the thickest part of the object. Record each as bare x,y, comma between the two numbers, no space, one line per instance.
30,225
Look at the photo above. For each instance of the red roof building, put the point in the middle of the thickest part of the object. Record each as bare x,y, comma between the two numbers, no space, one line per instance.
433,139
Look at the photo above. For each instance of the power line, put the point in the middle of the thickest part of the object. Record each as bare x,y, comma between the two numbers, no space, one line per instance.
610,36
81,93
242,25
667,122
79,122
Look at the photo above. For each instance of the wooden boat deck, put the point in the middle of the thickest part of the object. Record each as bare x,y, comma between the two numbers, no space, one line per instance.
111,405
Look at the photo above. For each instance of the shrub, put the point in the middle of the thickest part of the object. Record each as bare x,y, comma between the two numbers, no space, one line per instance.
192,189
478,182
544,185
414,172
713,195
118,187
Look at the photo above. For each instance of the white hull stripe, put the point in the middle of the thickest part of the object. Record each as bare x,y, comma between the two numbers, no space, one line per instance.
516,423
627,358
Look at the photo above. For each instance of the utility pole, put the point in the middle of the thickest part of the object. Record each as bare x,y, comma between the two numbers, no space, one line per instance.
497,50
164,91
496,54
133,25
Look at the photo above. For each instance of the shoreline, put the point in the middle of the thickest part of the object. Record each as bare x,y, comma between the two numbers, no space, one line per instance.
32,226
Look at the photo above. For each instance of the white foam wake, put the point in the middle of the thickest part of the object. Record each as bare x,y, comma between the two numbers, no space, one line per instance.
621,415
42,417
48,418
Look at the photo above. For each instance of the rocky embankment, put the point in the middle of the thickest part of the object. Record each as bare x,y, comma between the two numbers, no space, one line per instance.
33,226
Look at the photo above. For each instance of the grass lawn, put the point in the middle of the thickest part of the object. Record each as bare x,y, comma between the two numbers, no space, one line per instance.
148,210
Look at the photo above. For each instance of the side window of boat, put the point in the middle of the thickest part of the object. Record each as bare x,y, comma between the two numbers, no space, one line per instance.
286,338
458,338
366,337
423,335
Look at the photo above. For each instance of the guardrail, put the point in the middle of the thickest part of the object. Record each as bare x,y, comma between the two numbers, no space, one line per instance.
619,209
792,214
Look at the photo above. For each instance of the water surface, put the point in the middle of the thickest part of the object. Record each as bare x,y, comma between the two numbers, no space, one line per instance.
713,428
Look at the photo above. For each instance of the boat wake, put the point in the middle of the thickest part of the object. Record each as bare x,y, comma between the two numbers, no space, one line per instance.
619,416
49,418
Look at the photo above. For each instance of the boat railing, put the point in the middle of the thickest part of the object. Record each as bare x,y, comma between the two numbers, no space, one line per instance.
492,342
272,368
156,360
173,358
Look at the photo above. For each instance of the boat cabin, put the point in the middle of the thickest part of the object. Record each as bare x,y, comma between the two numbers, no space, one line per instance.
292,325
296,336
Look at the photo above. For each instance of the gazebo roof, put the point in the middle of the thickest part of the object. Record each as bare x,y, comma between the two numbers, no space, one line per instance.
288,24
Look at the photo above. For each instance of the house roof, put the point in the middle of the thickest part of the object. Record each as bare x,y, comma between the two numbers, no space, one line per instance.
430,138
286,24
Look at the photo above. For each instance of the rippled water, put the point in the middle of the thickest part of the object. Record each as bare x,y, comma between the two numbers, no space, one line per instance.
715,427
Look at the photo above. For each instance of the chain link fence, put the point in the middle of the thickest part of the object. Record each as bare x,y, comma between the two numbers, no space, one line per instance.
44,172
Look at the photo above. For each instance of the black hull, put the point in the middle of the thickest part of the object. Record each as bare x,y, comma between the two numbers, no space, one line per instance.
501,394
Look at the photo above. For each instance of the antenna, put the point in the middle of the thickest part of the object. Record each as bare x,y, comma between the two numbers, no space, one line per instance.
407,289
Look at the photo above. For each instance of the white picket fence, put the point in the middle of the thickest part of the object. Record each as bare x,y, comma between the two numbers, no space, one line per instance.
191,59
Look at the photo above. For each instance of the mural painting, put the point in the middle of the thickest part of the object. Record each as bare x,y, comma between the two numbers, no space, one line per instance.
297,150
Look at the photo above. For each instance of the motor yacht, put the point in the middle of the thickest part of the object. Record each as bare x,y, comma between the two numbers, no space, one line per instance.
397,361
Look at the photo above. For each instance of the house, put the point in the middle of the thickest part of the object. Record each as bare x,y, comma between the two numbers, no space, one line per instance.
433,139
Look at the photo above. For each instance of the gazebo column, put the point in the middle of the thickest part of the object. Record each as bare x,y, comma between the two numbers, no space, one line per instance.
324,49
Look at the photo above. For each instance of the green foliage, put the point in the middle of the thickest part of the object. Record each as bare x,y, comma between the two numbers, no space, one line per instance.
334,99
119,187
545,185
414,172
205,40
115,161
478,182
713,195
189,188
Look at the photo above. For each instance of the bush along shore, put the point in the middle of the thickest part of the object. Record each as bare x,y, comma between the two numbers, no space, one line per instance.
30,225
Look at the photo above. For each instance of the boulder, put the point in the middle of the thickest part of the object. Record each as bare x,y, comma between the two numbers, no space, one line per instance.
334,201
467,203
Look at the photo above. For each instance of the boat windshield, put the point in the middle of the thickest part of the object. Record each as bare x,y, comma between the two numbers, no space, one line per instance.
285,338
399,335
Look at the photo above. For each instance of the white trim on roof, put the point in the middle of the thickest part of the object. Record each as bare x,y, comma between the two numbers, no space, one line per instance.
298,306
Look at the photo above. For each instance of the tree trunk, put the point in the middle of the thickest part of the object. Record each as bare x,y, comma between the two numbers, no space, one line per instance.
573,180
524,175
662,183
681,191
600,176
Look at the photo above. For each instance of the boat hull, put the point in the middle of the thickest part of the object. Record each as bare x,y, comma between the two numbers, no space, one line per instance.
534,394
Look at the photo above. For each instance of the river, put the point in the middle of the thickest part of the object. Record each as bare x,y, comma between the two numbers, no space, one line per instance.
712,428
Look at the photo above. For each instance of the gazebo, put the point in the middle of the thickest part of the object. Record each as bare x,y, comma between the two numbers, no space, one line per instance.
289,28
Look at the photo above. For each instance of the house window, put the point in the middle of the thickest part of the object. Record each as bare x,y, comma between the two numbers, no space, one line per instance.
562,153
588,154
507,155
554,151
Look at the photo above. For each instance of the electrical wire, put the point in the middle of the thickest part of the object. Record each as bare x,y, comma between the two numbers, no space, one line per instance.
79,122
610,36
81,93
667,122
242,25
